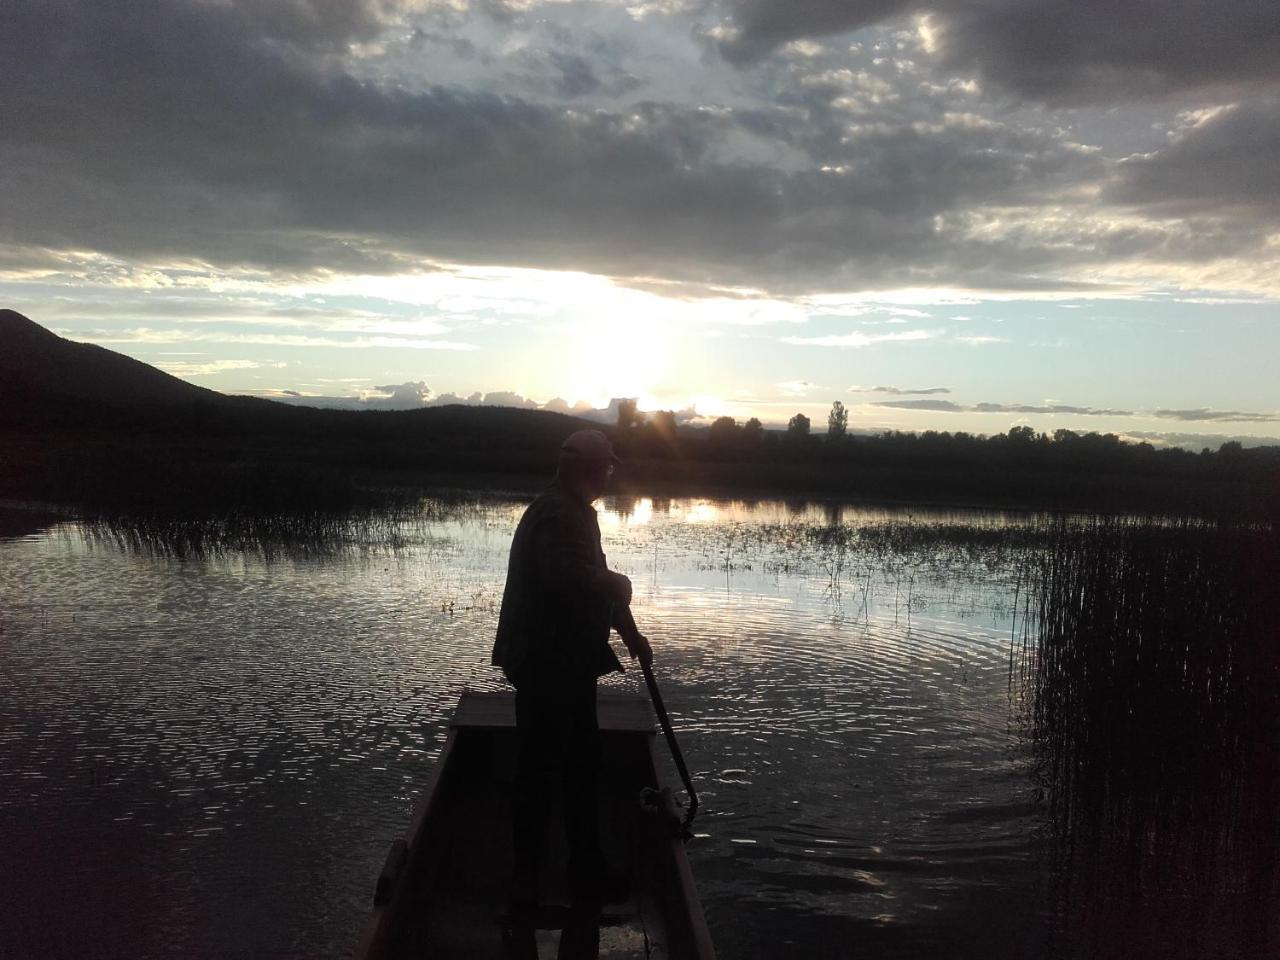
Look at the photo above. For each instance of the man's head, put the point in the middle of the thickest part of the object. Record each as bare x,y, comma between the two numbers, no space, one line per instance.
586,461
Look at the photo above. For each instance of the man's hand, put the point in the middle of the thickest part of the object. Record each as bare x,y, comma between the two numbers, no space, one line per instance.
638,646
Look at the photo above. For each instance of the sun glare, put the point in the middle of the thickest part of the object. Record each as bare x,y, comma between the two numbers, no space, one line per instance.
701,511
630,512
709,406
614,361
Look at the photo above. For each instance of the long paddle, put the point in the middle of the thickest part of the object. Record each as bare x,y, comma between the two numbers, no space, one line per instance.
676,755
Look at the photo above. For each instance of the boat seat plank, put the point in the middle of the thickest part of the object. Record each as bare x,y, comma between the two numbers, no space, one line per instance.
616,712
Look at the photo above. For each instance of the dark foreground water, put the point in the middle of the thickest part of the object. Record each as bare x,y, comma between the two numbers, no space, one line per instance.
209,737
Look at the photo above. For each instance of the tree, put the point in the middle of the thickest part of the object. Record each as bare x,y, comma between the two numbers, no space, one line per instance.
660,434
724,430
724,439
798,426
663,423
628,415
837,422
753,431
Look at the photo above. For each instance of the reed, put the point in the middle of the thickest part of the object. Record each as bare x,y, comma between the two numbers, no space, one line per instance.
294,534
1154,656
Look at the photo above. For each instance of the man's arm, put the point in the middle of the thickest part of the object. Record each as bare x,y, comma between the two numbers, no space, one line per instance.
636,642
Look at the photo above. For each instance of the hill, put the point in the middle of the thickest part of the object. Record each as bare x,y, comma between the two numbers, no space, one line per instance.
59,383
50,383
36,361
87,425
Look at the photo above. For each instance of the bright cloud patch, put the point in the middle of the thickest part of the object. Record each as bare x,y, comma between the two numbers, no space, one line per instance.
857,339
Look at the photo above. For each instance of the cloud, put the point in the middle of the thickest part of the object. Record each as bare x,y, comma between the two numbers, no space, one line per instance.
795,388
939,406
399,396
946,406
1221,416
569,75
857,339
1049,408
561,405
396,396
1094,51
211,367
758,27
416,394
308,138
323,24
506,398
898,391
1053,51
187,335
1224,161
199,139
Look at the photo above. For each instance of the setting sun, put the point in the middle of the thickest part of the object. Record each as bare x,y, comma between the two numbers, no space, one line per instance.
615,359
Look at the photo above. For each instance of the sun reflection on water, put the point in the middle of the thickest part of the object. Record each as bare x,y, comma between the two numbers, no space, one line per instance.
699,511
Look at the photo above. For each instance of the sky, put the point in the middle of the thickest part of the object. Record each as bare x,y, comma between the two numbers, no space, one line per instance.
945,214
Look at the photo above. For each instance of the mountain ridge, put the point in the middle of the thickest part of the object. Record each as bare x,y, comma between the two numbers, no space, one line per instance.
81,424
35,358
49,384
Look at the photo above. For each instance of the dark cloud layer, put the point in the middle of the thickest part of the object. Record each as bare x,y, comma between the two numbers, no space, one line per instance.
946,406
1227,164
1218,416
1055,51
937,406
325,24
764,25
1048,408
242,134
201,136
1090,51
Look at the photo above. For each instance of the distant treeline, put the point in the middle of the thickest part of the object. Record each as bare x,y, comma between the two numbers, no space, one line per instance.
248,453
1065,470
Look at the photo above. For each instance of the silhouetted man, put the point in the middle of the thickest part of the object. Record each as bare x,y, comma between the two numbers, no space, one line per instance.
560,602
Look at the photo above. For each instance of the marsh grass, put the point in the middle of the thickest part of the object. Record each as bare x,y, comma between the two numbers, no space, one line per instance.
1153,656
274,534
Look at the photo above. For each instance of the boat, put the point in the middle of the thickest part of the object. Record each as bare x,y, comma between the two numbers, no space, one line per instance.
442,892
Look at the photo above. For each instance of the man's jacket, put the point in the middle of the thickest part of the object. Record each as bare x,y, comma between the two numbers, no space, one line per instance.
556,610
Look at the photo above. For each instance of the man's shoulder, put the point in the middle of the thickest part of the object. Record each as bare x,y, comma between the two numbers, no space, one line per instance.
554,502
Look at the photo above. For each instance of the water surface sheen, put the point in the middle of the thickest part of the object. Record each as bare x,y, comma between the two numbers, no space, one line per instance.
207,756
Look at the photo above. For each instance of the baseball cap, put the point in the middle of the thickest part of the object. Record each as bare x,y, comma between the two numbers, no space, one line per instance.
588,445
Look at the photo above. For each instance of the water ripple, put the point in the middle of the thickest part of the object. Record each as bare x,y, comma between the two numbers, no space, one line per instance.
178,730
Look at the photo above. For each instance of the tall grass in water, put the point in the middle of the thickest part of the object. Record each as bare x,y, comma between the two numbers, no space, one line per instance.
1156,720
272,534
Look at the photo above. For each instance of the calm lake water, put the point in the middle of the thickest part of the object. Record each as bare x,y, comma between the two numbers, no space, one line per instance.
207,755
